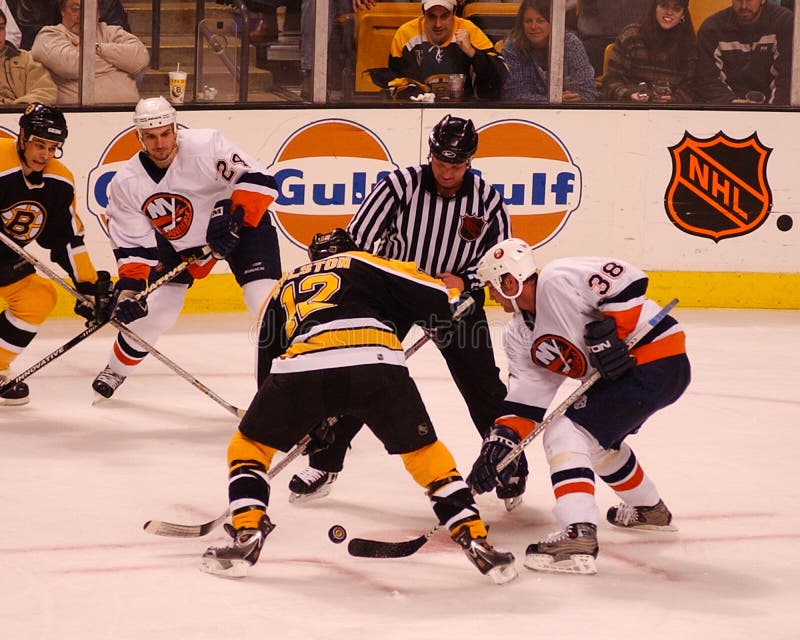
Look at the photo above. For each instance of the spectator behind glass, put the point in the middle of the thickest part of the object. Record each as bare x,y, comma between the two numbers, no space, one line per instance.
13,34
527,52
119,56
601,21
438,43
32,15
23,80
745,54
660,50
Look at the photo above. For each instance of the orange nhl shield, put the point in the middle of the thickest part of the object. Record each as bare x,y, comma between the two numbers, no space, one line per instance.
719,186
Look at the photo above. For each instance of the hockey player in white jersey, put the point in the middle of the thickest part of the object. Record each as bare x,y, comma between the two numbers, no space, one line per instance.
182,191
570,319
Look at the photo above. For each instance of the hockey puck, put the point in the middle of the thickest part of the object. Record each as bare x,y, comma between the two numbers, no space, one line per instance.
337,533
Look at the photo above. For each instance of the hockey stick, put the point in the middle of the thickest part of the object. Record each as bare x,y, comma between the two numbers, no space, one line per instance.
364,548
95,326
173,530
122,328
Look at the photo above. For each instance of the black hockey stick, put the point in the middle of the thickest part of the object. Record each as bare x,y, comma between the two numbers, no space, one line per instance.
173,530
94,327
364,548
122,328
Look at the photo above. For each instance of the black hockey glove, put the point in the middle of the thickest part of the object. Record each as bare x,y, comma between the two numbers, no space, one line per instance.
222,234
125,307
496,446
99,294
607,353
322,436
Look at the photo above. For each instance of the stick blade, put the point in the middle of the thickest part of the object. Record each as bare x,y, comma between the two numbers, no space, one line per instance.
173,530
363,548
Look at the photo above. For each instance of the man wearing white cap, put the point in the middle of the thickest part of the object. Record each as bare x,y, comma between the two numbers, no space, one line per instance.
440,43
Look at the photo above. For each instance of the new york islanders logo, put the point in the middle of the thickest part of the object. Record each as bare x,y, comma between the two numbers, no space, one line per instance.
558,355
170,213
719,186
324,172
534,172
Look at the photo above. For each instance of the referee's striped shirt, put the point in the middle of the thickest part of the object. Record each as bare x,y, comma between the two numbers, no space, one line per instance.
403,218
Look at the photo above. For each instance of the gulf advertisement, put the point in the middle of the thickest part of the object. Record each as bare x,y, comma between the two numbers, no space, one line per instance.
683,194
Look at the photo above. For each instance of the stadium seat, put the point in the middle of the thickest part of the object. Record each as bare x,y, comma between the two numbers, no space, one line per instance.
495,19
701,9
374,32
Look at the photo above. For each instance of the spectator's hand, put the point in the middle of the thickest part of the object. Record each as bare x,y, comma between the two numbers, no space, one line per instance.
461,38
366,5
570,96
452,281
635,97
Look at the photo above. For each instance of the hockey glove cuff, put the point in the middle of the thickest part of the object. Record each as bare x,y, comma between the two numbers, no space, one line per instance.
607,353
498,444
125,307
322,436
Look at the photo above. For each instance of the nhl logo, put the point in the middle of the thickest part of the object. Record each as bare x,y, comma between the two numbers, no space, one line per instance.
471,227
719,186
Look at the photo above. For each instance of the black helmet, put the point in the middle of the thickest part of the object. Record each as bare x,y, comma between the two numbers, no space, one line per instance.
453,140
325,245
42,121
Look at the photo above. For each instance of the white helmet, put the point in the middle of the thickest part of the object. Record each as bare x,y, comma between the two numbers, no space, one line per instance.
154,112
512,256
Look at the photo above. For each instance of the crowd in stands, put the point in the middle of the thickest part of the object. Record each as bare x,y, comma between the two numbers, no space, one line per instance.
617,51
623,51
40,53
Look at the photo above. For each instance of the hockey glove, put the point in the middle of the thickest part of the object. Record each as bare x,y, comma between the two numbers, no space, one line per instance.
322,436
607,353
125,307
99,294
222,234
498,444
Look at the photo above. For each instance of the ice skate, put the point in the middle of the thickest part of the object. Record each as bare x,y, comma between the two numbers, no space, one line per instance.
498,565
235,560
310,484
106,383
16,395
511,493
572,550
655,518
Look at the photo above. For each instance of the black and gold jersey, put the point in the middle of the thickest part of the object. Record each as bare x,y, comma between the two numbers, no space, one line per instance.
344,311
44,213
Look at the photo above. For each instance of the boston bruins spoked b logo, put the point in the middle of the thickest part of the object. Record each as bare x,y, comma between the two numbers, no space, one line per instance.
719,186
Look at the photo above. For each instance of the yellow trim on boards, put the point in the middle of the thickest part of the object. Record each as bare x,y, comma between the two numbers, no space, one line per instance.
219,293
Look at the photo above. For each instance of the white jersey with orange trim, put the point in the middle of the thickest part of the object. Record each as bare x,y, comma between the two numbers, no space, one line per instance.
177,202
571,292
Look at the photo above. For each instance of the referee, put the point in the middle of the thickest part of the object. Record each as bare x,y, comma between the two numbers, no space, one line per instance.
444,218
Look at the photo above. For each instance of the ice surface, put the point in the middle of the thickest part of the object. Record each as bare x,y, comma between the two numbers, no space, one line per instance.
78,481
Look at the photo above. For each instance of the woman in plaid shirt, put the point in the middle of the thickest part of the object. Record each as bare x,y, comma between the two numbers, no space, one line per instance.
659,50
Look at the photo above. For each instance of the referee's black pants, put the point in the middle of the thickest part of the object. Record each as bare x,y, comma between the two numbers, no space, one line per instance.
470,359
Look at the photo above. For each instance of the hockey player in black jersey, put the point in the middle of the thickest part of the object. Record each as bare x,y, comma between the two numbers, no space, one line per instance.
37,204
444,218
328,346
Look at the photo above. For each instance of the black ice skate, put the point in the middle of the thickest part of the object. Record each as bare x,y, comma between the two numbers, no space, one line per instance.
310,484
235,560
655,518
107,382
572,550
498,565
16,395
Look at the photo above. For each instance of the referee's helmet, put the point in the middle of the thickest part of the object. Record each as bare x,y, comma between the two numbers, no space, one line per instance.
453,140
